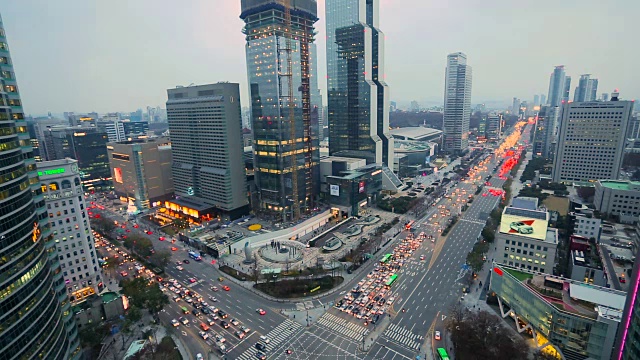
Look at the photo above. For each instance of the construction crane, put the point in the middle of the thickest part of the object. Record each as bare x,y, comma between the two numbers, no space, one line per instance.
295,205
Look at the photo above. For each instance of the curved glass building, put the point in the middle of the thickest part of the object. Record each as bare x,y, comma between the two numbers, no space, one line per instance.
35,317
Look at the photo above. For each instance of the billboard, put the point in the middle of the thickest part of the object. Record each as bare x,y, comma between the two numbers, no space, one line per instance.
361,186
524,226
335,190
117,175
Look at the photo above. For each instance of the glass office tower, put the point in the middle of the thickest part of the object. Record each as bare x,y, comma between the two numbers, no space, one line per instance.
267,51
358,97
35,317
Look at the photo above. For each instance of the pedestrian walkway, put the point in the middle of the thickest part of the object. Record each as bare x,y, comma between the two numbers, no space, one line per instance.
278,335
403,336
343,326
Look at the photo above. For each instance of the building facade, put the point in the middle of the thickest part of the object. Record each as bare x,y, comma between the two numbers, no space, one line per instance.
587,89
35,317
569,318
591,140
587,226
285,151
526,241
141,171
358,96
206,145
114,130
493,126
545,131
628,339
618,198
88,146
457,104
69,220
556,86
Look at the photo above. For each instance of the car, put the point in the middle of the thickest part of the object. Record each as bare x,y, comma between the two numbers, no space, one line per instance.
224,324
195,312
261,356
192,280
521,227
220,339
124,273
178,262
206,311
437,335
220,278
226,288
422,257
173,248
162,238
261,311
213,299
240,334
485,194
179,268
149,232
203,335
261,346
264,339
234,322
222,314
186,261
183,320
622,279
214,288
245,329
199,357
175,323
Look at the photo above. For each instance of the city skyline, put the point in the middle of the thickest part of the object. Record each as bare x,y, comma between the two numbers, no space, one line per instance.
127,66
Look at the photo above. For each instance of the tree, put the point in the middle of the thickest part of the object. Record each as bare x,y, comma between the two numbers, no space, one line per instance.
144,295
586,192
103,224
181,223
139,245
161,258
91,334
156,300
133,316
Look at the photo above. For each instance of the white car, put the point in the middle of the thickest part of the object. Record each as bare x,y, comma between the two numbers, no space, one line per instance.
199,357
179,268
264,339
175,323
203,335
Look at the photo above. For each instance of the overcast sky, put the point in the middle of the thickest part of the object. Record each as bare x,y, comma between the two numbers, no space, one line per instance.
121,55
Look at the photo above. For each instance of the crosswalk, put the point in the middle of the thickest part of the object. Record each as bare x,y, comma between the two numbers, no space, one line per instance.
403,336
190,285
276,336
342,326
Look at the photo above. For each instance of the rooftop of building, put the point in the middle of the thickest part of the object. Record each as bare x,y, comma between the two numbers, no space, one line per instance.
341,159
412,145
621,185
141,140
570,296
524,202
191,203
415,133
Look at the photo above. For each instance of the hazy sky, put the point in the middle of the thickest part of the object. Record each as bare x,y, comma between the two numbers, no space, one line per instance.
120,55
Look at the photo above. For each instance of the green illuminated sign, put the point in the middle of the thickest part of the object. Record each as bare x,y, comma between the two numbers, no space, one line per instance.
51,172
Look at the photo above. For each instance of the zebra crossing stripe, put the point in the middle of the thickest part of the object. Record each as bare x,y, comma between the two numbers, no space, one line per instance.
276,336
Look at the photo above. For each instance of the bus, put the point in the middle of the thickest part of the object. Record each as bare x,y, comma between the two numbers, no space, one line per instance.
194,256
385,259
391,280
442,354
409,225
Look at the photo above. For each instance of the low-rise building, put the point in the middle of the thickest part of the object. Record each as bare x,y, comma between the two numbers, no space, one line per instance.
577,320
347,184
526,241
586,261
587,226
619,198
141,171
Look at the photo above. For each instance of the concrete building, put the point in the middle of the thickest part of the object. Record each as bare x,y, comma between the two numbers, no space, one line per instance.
282,157
493,126
457,104
358,96
88,146
417,133
591,140
587,226
633,130
515,106
577,320
35,309
567,89
526,241
141,171
544,138
587,89
585,264
618,198
69,220
114,130
206,145
348,184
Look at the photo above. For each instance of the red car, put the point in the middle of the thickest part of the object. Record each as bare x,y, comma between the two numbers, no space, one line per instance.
161,238
136,226
226,288
485,194
261,311
192,280
149,232
173,248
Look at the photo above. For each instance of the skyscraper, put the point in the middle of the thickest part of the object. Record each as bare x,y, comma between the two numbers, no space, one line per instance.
587,88
536,100
358,96
543,99
515,106
494,126
457,103
543,140
567,89
591,140
36,319
206,145
557,86
279,152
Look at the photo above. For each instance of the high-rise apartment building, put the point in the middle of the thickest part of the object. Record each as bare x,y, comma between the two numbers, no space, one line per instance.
358,96
457,103
545,131
567,89
141,171
114,130
206,144
281,156
36,319
515,106
557,86
591,140
69,220
536,100
543,99
587,89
